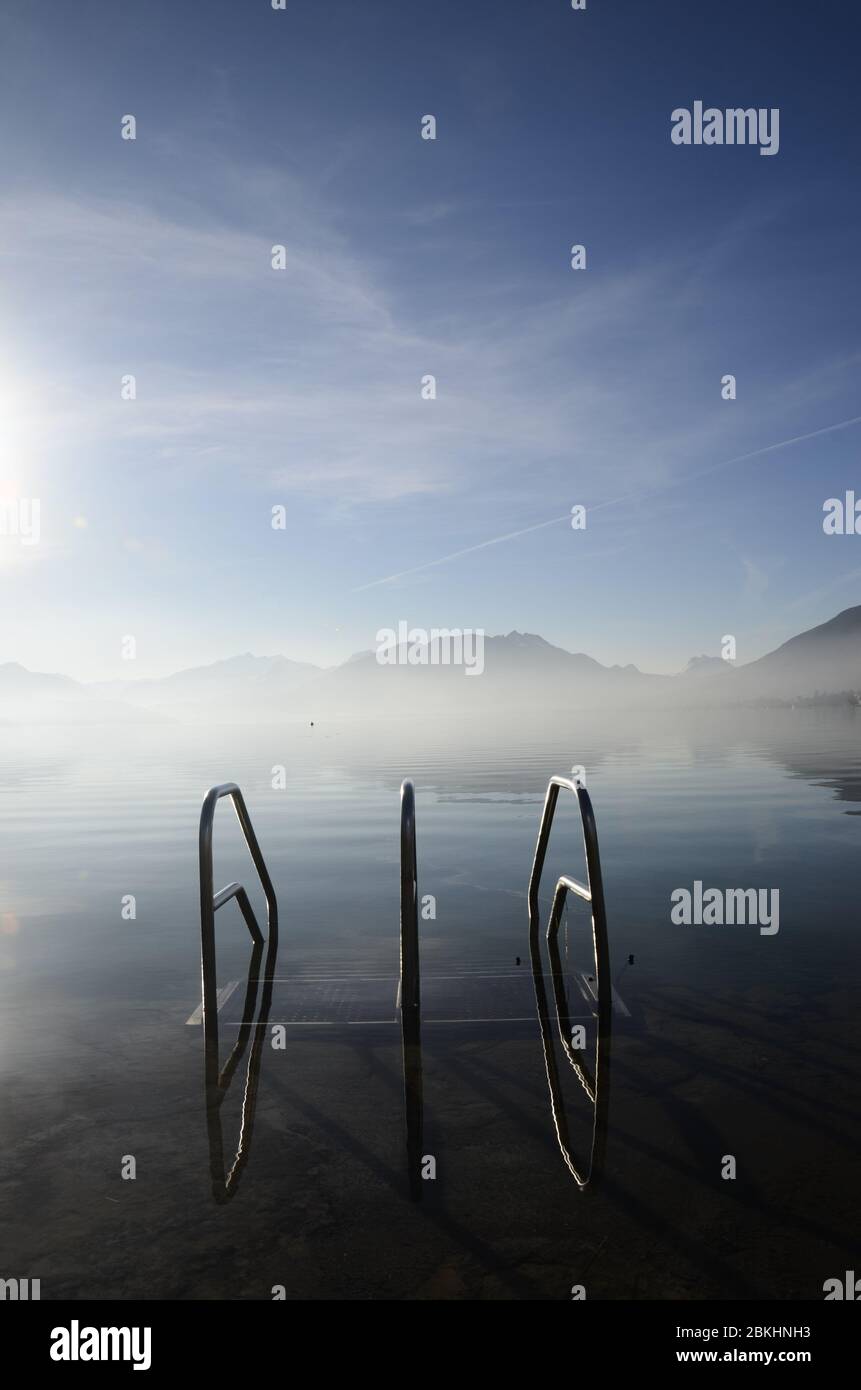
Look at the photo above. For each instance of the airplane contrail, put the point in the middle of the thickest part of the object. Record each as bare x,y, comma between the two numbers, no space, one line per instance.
456,554
613,502
727,463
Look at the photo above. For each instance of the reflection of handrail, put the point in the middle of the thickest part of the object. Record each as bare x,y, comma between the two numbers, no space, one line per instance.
563,1017
409,992
593,893
224,1184
218,1081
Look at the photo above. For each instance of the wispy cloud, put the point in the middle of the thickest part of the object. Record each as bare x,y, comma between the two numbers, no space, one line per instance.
309,379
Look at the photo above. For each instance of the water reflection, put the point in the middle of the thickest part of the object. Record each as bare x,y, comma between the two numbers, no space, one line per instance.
596,1085
680,803
218,1082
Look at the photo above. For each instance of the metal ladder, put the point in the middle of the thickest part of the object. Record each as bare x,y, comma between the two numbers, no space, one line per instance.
592,892
409,992
409,996
218,1081
409,984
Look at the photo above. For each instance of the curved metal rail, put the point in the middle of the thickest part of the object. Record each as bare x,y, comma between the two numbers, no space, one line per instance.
218,1080
592,892
210,901
409,991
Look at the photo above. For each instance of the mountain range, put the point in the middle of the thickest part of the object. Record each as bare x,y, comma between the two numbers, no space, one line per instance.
521,672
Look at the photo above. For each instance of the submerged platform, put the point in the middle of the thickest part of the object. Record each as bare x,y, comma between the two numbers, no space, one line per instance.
470,996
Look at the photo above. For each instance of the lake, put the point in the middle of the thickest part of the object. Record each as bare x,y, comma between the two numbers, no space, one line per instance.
726,1043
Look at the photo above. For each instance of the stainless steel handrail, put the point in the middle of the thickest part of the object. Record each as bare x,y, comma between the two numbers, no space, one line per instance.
218,1080
210,901
410,988
592,893
590,838
409,991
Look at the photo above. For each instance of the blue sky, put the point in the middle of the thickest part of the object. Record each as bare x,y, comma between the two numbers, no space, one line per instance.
405,257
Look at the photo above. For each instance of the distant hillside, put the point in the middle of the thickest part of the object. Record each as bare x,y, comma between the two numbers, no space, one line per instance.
522,672
220,690
17,682
34,697
707,666
825,660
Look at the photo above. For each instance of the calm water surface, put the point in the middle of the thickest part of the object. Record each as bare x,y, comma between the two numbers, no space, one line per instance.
730,1043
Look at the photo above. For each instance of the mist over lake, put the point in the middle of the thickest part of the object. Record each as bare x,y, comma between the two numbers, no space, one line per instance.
733,1043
